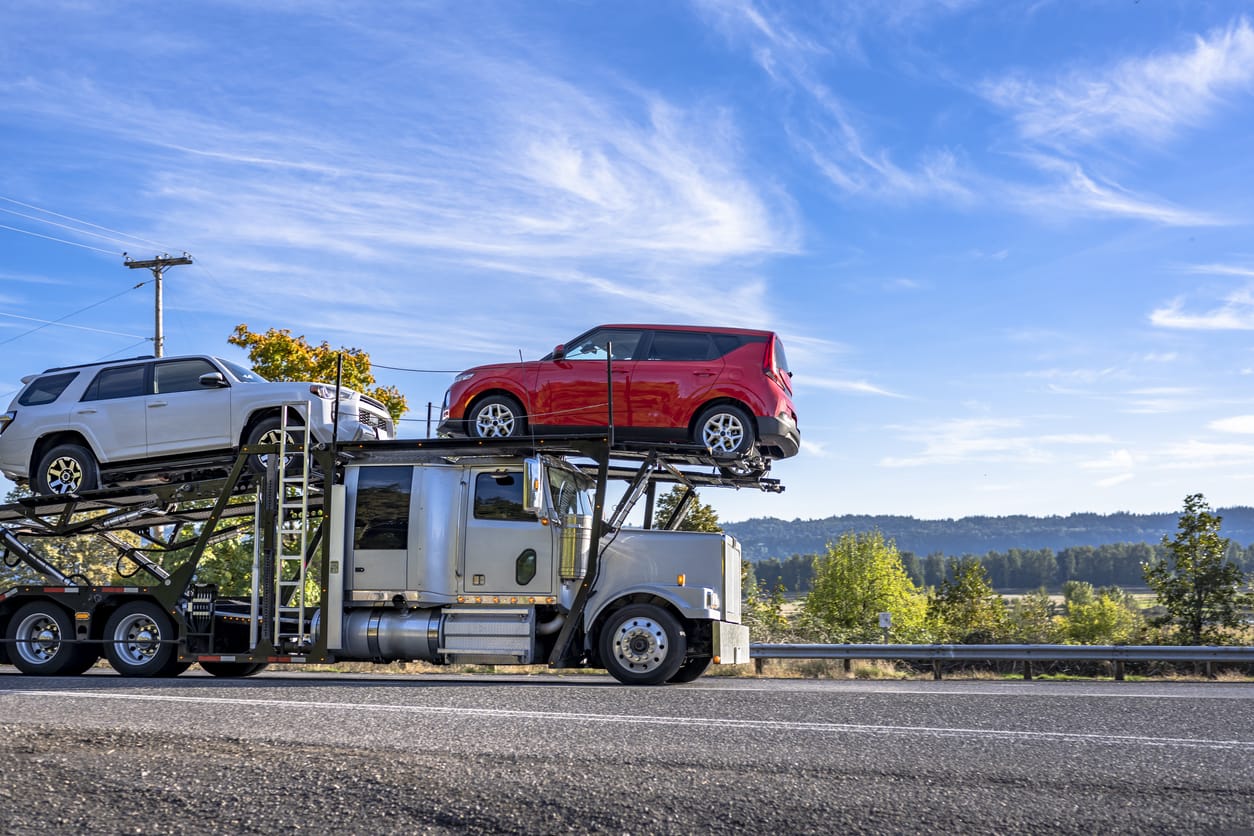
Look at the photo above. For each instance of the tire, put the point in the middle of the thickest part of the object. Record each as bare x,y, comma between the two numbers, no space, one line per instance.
268,431
692,668
41,642
139,641
66,468
233,670
642,644
725,430
496,416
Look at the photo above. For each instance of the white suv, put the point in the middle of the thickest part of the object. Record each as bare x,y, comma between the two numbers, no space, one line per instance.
67,424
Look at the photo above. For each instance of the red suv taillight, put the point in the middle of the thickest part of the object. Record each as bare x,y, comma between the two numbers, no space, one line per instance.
771,370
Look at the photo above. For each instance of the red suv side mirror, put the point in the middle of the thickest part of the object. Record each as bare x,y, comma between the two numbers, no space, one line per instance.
559,351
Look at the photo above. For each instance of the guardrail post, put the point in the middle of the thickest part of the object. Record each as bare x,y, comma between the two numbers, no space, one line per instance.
759,664
1027,669
936,669
1118,670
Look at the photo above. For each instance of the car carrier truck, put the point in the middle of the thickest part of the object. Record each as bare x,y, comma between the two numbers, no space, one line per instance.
496,552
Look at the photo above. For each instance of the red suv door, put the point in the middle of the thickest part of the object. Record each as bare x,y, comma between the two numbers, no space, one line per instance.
571,390
672,378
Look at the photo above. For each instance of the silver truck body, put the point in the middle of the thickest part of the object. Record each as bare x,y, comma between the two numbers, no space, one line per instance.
479,562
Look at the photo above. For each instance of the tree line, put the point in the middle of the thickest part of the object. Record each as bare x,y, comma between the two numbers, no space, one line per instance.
1115,564
1203,597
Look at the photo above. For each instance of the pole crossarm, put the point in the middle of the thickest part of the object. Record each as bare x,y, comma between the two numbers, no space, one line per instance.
158,267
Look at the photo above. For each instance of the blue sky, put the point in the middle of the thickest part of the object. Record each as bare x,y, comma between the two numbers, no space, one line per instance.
1008,245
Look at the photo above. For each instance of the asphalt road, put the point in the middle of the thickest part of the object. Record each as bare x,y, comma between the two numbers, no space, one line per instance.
319,753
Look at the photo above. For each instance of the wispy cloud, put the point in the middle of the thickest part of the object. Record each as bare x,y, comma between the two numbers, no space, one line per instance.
985,440
1243,424
1234,313
857,387
1146,99
1073,189
793,47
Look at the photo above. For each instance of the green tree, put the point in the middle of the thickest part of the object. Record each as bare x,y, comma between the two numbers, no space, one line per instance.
966,608
700,517
1198,586
1032,619
277,355
859,577
1104,618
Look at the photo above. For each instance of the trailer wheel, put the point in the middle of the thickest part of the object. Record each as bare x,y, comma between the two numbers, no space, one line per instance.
66,468
42,641
642,644
233,670
139,641
692,668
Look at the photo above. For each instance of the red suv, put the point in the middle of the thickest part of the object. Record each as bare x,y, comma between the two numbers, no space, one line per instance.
728,389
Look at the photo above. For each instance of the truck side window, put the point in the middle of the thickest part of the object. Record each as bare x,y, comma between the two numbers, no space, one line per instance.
499,496
382,517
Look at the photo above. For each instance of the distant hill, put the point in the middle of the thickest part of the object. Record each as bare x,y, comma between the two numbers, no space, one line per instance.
768,537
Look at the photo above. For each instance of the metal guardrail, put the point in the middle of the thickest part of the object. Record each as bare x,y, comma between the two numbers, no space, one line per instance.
1025,653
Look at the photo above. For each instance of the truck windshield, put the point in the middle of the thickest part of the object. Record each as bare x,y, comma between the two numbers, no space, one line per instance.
570,493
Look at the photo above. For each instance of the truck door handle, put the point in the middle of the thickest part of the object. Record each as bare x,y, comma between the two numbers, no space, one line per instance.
703,374
155,404
359,568
85,412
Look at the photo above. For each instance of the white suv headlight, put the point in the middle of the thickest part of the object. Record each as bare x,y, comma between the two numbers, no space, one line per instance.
327,393
6,419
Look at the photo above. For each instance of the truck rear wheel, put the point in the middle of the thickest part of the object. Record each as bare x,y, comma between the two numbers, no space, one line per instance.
233,670
642,644
42,642
139,641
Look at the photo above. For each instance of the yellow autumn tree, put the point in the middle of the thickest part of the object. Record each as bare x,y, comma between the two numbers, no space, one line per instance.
277,355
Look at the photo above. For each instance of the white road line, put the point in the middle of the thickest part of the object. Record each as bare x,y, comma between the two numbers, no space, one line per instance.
634,719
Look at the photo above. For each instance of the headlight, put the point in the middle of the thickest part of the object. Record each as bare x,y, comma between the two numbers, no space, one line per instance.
6,419
327,393
463,376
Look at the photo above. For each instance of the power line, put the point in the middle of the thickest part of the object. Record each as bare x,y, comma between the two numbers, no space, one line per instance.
63,325
80,221
375,365
59,321
58,240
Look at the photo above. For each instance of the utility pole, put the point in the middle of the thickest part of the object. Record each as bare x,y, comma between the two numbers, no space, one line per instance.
157,266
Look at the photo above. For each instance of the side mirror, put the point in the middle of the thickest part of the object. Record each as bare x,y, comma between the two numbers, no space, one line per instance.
214,380
533,484
559,351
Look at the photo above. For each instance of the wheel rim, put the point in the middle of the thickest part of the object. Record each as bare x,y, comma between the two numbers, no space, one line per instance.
495,421
38,638
273,436
64,474
723,433
137,639
641,645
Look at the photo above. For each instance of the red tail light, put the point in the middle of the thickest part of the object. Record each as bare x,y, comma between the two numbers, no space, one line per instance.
771,370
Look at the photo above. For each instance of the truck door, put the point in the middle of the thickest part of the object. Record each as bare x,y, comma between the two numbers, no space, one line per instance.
380,526
508,551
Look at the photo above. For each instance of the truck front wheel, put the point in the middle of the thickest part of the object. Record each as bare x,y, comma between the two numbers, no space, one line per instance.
139,641
642,644
690,670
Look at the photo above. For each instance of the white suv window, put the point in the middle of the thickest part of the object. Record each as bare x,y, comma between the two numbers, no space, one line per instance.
46,389
180,375
121,382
